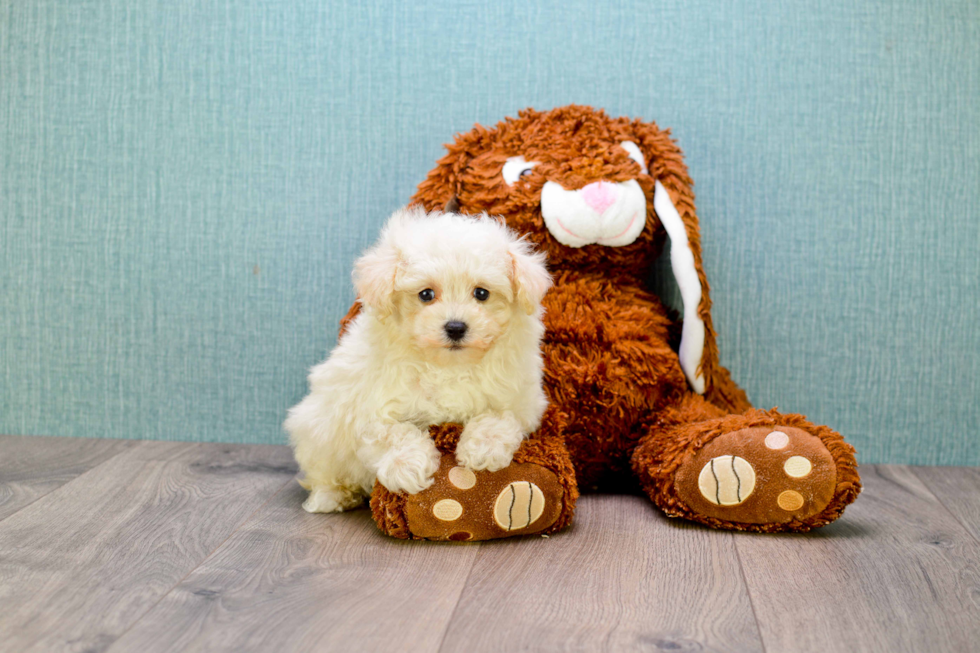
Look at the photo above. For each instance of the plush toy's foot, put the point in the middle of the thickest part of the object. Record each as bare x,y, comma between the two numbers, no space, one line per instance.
759,475
762,471
535,494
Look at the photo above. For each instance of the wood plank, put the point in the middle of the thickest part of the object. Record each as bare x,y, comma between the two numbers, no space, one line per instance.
82,564
958,488
34,465
896,573
625,578
290,581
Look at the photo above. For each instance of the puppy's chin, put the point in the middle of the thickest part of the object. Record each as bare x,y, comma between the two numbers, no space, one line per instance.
444,355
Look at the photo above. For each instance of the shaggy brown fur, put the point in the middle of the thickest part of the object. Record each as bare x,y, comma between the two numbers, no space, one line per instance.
611,366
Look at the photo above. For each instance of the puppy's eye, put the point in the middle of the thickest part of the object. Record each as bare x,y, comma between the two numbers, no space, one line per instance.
481,294
427,295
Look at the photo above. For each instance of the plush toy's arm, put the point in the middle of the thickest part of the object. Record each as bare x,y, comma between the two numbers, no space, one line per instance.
485,505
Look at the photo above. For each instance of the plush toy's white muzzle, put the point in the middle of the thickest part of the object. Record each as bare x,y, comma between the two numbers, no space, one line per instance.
604,213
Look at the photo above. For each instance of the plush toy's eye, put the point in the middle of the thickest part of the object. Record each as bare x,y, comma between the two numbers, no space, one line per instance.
481,294
515,168
634,151
427,295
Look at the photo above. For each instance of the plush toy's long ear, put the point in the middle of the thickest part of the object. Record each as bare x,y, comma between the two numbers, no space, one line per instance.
442,185
452,205
673,203
688,272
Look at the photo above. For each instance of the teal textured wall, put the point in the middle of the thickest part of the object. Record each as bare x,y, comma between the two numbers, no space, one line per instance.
184,185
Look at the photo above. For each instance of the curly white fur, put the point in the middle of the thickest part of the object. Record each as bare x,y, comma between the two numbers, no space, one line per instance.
396,371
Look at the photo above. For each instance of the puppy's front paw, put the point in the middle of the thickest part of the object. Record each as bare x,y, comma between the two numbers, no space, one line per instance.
488,442
409,468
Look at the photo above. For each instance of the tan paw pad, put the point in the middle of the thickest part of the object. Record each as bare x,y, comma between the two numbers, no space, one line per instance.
797,467
447,510
462,478
777,440
518,505
727,480
790,500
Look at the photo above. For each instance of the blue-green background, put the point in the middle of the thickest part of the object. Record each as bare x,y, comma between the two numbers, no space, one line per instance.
184,185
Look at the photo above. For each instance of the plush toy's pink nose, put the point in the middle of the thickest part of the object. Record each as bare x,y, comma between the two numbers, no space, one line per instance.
600,195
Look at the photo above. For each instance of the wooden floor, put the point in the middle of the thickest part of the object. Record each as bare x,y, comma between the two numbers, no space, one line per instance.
161,546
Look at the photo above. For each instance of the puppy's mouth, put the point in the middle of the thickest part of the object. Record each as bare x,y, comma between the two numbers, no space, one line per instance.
479,344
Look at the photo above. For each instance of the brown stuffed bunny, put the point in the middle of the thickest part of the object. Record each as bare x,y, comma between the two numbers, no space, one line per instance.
632,388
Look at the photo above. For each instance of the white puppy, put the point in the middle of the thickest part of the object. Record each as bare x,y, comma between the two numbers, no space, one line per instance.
449,331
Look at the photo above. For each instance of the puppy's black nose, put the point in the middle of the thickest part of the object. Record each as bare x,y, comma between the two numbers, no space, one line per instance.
455,330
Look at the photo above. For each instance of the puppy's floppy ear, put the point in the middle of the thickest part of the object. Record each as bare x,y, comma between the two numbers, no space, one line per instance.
374,275
529,276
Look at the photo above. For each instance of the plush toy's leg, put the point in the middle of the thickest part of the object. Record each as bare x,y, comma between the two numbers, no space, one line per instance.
535,494
758,471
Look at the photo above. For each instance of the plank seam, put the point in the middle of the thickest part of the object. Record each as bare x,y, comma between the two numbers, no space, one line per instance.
72,480
201,562
938,498
462,588
748,592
